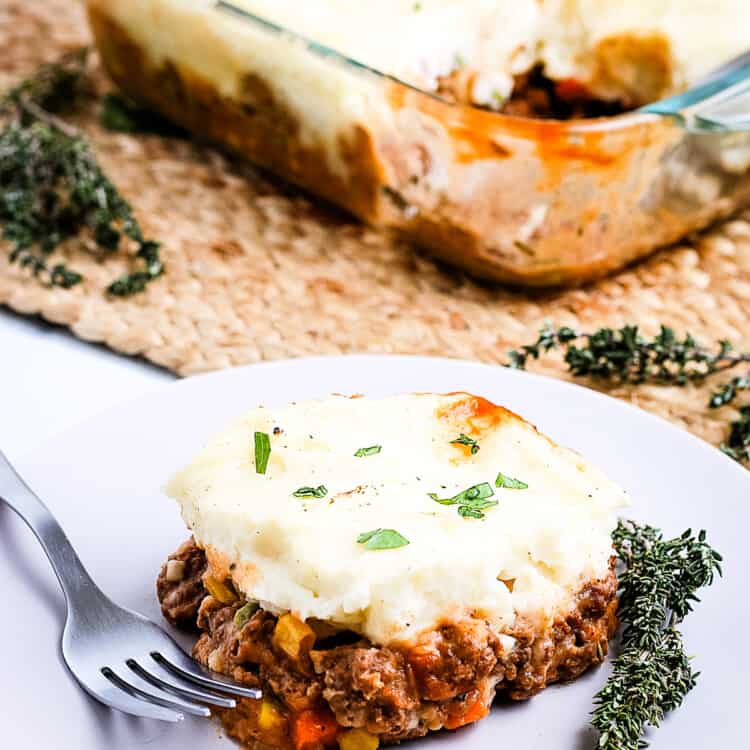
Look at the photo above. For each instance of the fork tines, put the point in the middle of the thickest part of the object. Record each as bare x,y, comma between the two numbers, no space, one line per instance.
172,697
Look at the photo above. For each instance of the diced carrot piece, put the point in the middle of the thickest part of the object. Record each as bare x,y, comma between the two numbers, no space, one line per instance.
314,729
424,660
570,90
476,711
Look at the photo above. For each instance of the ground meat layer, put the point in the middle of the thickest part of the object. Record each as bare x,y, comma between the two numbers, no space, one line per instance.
446,679
539,97
180,585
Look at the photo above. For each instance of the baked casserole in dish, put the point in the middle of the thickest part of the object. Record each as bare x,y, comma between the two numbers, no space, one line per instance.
383,568
500,135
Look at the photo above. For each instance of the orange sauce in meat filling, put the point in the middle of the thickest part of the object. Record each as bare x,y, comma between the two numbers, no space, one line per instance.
242,723
475,707
479,134
265,723
445,678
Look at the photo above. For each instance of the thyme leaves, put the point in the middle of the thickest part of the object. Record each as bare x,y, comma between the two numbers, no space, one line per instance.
652,675
52,188
623,356
469,442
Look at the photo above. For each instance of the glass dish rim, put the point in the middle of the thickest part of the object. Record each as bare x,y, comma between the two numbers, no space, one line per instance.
625,120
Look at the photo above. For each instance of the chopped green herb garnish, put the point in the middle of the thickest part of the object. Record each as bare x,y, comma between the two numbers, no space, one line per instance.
367,535
509,483
498,98
373,450
473,494
318,492
466,440
382,539
262,452
243,614
468,511
472,502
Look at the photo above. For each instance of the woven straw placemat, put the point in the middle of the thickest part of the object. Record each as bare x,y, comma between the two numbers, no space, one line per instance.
258,271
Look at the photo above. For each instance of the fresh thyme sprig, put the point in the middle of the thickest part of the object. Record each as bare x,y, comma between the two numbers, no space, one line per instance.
51,186
124,116
622,356
54,87
737,445
727,393
652,675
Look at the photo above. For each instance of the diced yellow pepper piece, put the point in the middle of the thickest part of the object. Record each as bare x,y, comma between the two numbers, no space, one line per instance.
358,739
293,636
219,590
269,716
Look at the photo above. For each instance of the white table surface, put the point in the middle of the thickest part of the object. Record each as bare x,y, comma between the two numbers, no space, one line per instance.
50,380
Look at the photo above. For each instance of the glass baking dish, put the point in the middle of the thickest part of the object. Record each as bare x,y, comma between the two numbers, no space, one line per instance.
530,202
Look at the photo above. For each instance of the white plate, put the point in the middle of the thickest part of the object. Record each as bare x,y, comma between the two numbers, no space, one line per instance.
103,480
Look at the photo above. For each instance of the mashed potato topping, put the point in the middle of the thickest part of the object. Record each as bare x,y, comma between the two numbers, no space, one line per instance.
629,50
632,49
472,51
527,555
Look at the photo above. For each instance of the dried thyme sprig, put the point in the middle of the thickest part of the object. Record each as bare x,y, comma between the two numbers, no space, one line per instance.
652,675
623,356
51,186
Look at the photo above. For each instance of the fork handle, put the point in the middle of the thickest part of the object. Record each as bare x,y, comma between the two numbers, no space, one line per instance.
18,496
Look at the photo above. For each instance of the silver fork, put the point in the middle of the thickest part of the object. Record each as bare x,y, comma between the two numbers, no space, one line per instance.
119,657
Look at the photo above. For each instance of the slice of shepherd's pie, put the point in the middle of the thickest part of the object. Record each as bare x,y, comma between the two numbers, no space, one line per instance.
383,568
